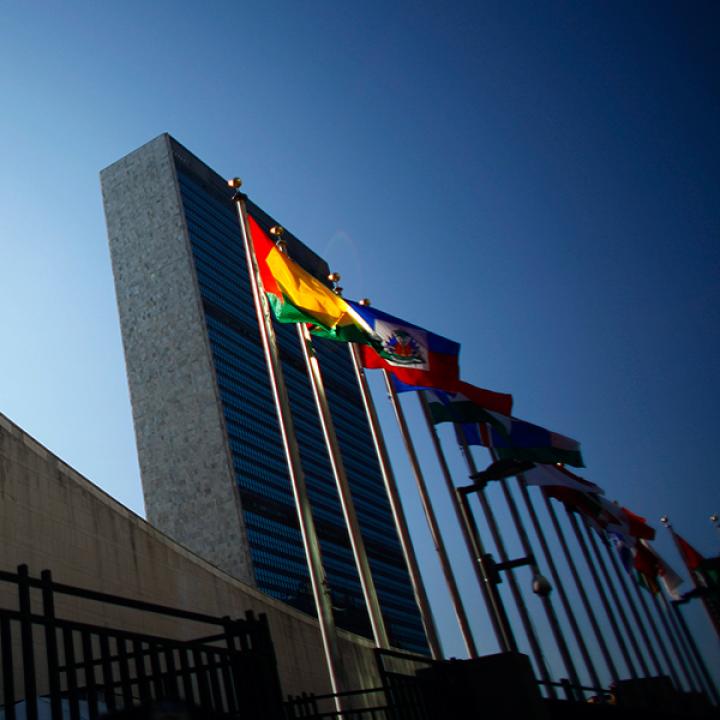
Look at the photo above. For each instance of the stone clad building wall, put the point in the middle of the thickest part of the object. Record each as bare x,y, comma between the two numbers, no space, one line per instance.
186,467
53,518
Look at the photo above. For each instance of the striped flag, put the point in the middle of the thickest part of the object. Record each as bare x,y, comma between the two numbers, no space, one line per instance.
513,438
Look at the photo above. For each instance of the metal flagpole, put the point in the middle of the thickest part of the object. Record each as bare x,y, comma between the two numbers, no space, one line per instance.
673,643
372,604
567,607
512,581
661,643
581,590
396,507
700,663
318,581
493,601
615,598
622,581
541,586
431,519
664,520
601,593
709,684
672,618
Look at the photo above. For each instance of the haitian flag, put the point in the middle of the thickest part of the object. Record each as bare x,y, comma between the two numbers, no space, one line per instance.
513,438
411,354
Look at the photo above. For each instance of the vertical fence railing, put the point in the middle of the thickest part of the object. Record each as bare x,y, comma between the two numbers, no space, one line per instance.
84,670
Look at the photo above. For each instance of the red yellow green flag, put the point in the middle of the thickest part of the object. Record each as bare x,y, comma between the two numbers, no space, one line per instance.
296,296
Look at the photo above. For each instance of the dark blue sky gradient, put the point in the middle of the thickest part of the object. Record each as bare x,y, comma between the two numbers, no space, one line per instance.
537,181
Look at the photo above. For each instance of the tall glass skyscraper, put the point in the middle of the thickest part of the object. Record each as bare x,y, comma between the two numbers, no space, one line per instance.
213,468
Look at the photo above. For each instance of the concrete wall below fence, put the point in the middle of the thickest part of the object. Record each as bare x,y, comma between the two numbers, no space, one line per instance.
53,518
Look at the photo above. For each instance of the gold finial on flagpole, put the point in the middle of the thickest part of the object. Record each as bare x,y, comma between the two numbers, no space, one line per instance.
334,278
235,182
365,302
277,232
665,521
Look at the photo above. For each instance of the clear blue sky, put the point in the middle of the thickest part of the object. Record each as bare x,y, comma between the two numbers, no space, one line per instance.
538,181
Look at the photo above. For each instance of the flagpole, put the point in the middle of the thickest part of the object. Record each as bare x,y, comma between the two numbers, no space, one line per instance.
540,585
697,684
431,520
512,581
567,607
311,544
616,599
357,544
664,520
493,601
656,634
673,643
372,604
601,593
715,521
589,611
709,684
396,508
622,581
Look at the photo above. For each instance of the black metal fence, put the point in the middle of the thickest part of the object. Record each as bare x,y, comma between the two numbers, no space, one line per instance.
399,696
87,670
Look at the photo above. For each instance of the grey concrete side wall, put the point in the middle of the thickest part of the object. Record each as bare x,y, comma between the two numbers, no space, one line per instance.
185,462
53,518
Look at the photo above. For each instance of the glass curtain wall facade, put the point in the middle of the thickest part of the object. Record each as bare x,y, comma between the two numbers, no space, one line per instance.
254,440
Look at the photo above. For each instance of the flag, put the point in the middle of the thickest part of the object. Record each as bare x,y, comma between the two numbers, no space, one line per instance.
637,526
411,354
624,531
513,438
469,404
651,568
557,476
691,557
501,469
296,296
624,550
705,571
596,509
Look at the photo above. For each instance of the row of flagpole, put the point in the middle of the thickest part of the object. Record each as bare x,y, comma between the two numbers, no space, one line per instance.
487,571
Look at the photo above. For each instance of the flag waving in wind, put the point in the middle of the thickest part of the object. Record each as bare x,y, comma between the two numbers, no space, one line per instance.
558,476
296,296
651,568
469,404
413,355
513,438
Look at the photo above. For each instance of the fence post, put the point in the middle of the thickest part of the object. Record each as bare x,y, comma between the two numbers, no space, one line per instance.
71,673
7,669
51,644
27,642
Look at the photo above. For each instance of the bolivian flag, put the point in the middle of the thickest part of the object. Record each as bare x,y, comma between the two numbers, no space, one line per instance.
296,296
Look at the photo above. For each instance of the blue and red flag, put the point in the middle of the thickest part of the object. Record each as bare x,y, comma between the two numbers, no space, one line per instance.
413,355
520,440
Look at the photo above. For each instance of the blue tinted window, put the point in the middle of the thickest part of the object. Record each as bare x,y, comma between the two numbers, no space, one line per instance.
254,439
